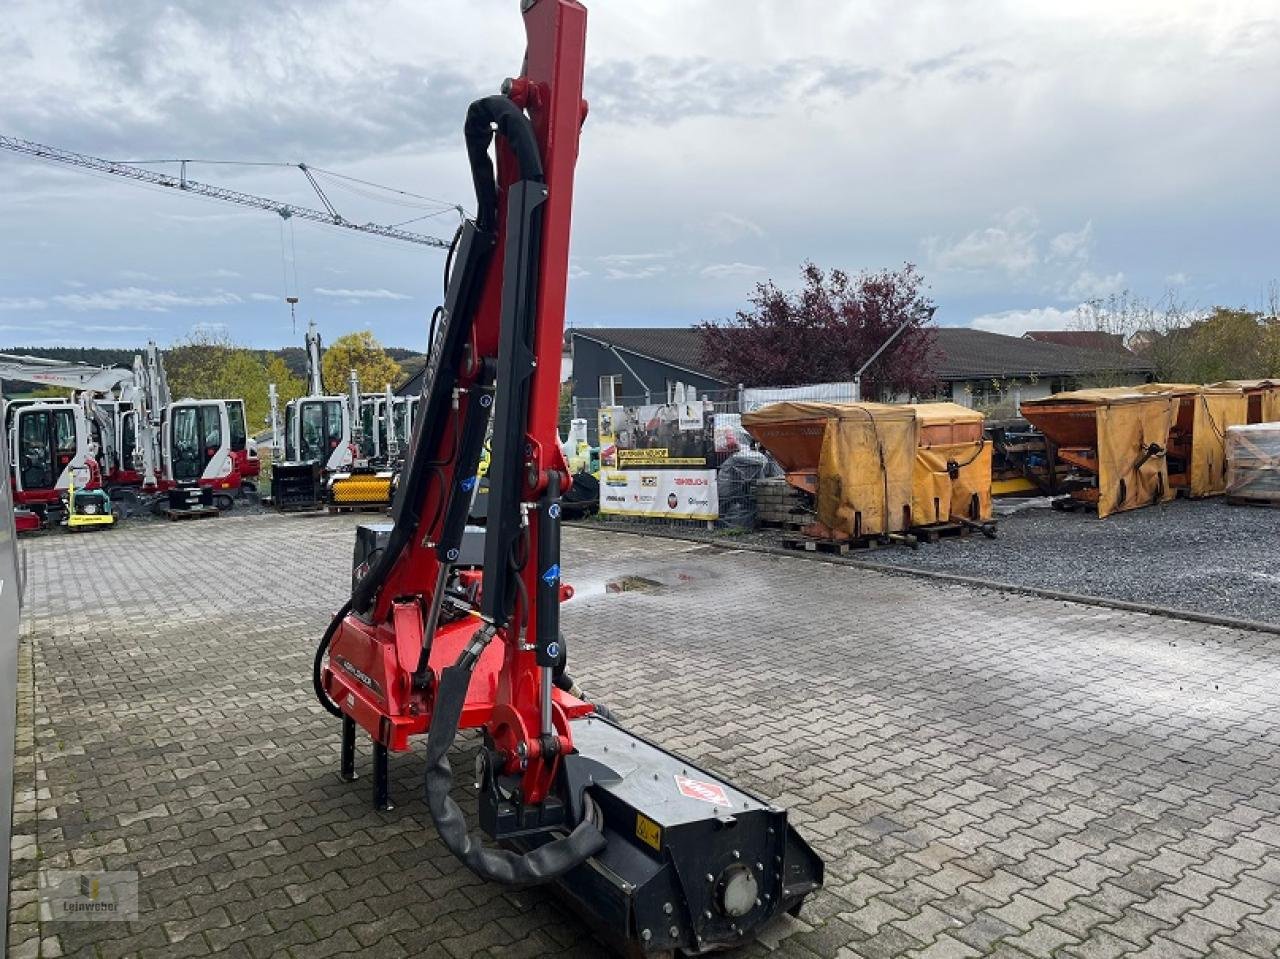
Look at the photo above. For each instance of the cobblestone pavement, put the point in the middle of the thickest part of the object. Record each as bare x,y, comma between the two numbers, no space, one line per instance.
985,774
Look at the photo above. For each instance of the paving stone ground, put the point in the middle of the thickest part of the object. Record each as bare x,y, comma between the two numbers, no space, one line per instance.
984,773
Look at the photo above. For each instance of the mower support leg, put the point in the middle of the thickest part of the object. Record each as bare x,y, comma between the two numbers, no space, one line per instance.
348,772
381,780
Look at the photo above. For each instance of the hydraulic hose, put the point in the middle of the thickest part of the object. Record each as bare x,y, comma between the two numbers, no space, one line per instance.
513,126
317,681
483,116
548,861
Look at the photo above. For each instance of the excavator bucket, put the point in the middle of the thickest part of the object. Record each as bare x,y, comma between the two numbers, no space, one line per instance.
691,862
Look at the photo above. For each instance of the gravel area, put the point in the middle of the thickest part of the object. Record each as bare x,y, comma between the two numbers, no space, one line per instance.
1203,556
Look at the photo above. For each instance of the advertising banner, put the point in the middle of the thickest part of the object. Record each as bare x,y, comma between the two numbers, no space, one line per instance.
673,493
661,462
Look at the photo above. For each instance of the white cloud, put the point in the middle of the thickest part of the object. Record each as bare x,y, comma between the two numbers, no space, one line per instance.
21,303
633,266
209,217
1089,285
633,273
222,273
724,228
1075,245
1177,279
1009,244
1017,322
356,295
720,271
138,276
118,328
576,272
139,298
624,259
265,297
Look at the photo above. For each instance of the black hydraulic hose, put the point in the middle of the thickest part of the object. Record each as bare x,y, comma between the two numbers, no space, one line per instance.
482,116
317,681
478,130
543,864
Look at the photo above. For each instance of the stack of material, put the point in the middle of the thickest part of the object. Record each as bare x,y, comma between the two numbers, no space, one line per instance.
952,473
857,458
1263,397
1197,441
1253,463
778,503
1115,438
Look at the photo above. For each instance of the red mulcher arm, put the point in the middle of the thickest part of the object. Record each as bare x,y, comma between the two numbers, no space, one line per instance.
656,853
502,326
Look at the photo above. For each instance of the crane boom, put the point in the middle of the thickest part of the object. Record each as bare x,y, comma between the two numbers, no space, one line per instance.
285,210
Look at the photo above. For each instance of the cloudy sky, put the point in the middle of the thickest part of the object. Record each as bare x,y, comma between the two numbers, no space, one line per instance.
1026,154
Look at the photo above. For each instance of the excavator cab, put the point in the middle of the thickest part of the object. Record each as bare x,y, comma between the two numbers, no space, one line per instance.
197,442
47,441
317,442
322,431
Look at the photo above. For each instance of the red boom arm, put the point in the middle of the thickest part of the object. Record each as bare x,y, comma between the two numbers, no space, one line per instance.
496,350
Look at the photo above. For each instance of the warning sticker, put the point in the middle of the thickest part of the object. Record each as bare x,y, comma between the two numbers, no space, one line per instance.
648,831
706,792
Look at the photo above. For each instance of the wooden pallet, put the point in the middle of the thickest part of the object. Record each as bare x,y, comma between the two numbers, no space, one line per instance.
197,513
1253,501
931,534
834,547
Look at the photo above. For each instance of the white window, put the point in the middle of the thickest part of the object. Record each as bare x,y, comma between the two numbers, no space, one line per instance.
610,389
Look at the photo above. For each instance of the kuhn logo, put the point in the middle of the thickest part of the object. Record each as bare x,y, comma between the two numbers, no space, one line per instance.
691,481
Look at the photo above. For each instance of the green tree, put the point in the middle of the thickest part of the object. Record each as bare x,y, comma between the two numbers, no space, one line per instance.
288,384
361,352
1228,344
207,364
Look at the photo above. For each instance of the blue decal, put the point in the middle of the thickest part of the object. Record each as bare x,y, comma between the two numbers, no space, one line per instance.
554,511
469,484
553,650
552,575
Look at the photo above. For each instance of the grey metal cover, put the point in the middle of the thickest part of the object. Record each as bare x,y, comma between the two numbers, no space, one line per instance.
10,598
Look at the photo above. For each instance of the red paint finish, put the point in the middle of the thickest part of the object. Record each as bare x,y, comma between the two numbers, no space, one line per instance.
370,663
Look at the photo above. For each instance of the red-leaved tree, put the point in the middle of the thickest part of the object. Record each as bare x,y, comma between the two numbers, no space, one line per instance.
826,330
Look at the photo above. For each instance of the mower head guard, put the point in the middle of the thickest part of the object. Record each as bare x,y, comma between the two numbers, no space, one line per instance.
657,854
